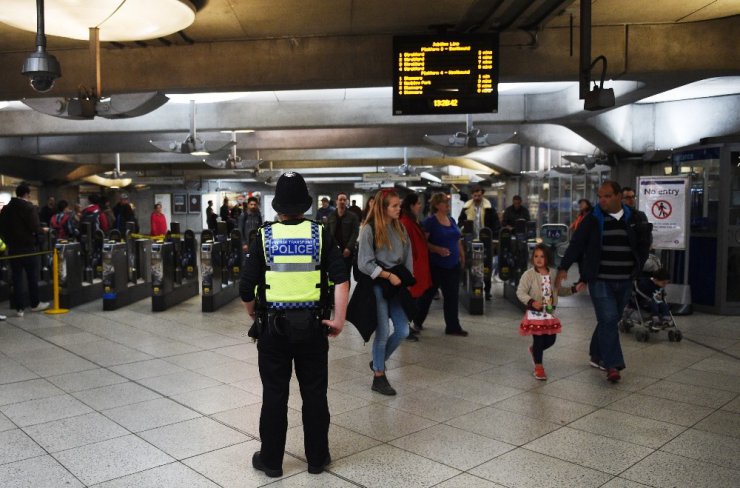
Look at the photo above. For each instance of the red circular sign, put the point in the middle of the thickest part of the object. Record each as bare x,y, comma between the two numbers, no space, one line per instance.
662,209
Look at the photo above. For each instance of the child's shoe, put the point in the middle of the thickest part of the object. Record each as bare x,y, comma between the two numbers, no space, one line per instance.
667,322
612,375
539,372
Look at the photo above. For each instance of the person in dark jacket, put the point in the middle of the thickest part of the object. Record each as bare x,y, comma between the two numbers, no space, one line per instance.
290,331
614,246
48,211
124,213
21,230
344,226
249,221
211,217
515,212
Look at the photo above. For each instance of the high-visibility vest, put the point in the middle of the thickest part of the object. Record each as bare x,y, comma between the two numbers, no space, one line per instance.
293,265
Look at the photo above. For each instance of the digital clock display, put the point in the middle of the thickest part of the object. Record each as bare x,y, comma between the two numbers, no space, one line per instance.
447,74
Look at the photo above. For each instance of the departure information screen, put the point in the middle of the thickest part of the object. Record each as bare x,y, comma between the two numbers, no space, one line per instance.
446,74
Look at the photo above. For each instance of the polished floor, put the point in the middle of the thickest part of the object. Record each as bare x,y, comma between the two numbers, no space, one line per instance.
135,399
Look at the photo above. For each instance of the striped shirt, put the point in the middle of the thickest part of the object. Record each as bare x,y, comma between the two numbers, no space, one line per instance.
617,259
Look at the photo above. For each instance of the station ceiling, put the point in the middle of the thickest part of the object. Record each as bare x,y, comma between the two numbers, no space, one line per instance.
313,82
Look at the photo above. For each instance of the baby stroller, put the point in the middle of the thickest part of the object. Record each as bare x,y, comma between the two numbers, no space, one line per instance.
636,314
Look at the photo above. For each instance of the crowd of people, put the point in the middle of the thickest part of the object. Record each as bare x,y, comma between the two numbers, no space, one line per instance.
399,259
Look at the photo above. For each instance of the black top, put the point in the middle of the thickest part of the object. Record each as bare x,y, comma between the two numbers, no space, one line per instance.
512,214
20,226
253,270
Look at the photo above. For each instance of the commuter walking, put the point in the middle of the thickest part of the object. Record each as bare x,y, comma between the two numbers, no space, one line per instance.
211,217
21,231
158,221
47,211
584,207
63,221
355,210
249,221
124,212
324,210
344,226
537,292
410,214
290,263
614,246
386,268
447,257
480,211
515,212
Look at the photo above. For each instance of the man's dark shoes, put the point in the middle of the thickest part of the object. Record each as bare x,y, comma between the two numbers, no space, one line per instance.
461,333
488,297
612,375
257,464
412,338
381,385
320,469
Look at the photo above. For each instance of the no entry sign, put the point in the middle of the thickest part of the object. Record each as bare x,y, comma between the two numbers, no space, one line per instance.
663,199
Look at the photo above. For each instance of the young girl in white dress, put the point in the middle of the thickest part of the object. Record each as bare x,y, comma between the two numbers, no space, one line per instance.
536,291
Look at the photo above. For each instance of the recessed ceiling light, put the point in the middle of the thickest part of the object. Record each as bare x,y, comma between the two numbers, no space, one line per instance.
132,20
238,131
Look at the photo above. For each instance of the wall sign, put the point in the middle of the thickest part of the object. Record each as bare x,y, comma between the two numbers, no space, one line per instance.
664,200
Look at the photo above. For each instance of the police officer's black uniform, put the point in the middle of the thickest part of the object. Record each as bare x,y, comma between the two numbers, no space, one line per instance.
280,344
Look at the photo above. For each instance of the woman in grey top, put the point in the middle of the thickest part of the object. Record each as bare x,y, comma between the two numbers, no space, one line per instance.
384,244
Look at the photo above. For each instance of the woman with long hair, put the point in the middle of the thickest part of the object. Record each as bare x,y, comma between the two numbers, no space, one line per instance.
410,212
366,210
446,258
385,256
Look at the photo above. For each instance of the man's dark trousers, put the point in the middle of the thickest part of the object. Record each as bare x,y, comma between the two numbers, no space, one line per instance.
276,356
31,267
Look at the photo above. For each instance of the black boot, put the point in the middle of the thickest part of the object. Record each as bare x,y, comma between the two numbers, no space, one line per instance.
381,385
257,464
320,469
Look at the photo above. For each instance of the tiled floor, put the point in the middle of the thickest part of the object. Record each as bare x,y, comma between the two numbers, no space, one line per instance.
133,399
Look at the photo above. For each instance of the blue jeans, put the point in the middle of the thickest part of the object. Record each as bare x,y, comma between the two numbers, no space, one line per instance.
385,342
609,298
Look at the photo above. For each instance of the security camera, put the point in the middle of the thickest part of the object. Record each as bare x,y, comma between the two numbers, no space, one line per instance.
42,68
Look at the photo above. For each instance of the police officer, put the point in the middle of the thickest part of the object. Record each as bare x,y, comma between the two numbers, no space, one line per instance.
290,262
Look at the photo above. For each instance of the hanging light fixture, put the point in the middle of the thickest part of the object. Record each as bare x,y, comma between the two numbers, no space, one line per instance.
131,20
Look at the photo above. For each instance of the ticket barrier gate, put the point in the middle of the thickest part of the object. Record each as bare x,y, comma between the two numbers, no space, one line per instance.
517,261
471,295
220,263
73,289
173,269
124,279
92,252
555,237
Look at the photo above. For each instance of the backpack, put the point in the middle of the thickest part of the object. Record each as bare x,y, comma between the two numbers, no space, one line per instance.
59,223
91,217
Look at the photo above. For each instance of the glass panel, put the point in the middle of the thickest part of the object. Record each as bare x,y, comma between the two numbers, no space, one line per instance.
703,166
733,249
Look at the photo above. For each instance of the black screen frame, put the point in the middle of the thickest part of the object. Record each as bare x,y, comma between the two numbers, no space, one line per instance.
469,102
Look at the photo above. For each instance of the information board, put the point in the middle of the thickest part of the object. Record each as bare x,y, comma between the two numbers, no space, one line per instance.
445,74
664,200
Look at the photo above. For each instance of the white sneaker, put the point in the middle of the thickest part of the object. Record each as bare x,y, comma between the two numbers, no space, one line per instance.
40,307
3,317
19,313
